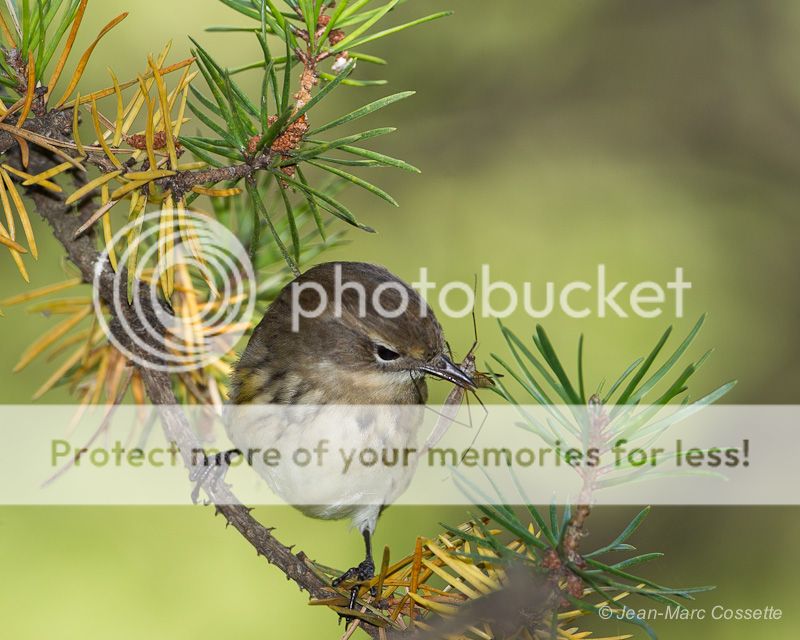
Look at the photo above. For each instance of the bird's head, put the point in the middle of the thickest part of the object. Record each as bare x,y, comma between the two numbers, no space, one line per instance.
357,332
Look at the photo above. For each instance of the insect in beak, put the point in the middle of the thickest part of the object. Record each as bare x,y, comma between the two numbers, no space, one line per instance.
444,368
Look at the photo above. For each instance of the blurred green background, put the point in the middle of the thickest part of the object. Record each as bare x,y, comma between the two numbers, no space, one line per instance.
552,136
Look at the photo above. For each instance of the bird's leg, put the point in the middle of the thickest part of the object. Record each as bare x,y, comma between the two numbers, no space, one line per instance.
362,573
212,469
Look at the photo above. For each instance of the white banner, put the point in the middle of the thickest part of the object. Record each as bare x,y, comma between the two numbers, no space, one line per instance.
373,455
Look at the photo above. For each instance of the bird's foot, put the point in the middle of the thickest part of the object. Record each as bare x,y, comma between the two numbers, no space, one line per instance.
364,572
211,469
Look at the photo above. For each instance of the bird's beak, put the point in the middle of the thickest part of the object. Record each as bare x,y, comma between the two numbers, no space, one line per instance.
444,368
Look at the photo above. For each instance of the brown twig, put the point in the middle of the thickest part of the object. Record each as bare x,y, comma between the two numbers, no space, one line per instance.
576,527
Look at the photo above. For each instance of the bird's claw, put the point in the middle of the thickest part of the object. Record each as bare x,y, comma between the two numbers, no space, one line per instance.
364,572
211,468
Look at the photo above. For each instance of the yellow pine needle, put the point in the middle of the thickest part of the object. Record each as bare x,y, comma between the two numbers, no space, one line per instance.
159,117
22,212
60,372
87,364
126,189
42,178
108,236
228,328
165,113
114,378
137,390
153,174
78,74
437,607
218,193
102,369
452,580
11,244
66,343
191,328
480,634
7,33
41,291
105,122
182,88
95,335
149,130
31,91
24,151
573,634
166,247
15,255
108,91
27,177
120,120
101,139
49,338
73,33
13,108
42,142
182,108
188,234
91,186
136,213
191,166
143,93
467,571
76,129
60,306
223,367
12,231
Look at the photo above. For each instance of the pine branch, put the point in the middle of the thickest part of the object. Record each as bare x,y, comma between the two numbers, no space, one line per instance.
81,251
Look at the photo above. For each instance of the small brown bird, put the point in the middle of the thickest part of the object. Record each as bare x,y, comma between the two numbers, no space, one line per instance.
370,341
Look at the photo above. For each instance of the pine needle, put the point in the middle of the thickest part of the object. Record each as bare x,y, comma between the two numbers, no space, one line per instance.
101,138
12,11
217,193
76,23
7,33
166,247
15,255
24,150
22,212
61,372
43,142
43,342
27,177
78,74
165,113
100,213
152,174
30,92
120,120
42,179
126,189
12,231
8,242
76,129
91,186
108,236
104,93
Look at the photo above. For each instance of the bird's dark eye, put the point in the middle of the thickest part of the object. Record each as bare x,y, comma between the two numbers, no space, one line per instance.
386,354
